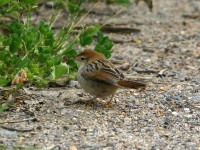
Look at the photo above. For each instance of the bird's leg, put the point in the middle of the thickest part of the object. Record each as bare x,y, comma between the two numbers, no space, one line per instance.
109,104
110,99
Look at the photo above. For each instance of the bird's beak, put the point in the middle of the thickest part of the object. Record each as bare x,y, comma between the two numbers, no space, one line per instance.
73,58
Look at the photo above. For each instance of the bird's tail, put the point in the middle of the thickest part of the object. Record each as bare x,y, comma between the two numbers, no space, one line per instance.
132,84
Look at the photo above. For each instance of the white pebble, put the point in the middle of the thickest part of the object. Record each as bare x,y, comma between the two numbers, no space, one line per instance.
174,113
187,110
188,116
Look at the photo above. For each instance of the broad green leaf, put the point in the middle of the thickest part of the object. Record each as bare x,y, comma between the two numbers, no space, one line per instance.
85,40
91,30
71,63
88,33
104,45
107,43
100,48
70,53
59,71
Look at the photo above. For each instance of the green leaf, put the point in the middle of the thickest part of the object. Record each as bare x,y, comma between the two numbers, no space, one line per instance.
3,55
85,40
34,70
39,82
15,43
31,38
3,2
71,63
3,81
70,53
104,44
42,58
88,33
91,30
108,43
74,6
59,71
23,63
16,27
47,33
15,60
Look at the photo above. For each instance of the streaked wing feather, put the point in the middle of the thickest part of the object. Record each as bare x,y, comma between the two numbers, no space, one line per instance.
102,73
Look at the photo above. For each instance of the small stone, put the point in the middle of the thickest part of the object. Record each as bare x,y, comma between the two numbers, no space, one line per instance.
65,127
162,88
39,127
139,69
169,110
188,116
125,66
74,83
174,113
64,111
72,148
187,110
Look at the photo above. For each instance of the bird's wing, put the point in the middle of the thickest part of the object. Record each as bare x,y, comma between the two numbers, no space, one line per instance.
103,71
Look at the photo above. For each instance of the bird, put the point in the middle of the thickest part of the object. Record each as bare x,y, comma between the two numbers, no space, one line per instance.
99,77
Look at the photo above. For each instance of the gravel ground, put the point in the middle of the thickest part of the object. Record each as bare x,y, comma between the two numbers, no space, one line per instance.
164,116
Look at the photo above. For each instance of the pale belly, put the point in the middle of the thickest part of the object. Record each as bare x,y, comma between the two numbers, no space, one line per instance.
98,89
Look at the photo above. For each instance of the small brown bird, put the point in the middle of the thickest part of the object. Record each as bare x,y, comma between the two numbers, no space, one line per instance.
99,77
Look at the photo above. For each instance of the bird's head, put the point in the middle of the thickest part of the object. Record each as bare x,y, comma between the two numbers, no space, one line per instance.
88,56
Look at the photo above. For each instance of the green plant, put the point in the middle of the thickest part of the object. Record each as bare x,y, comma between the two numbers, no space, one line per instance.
38,50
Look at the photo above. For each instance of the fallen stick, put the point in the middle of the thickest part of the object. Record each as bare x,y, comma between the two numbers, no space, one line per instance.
14,129
16,121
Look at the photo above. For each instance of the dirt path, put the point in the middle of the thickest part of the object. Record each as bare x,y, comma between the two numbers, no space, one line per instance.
164,116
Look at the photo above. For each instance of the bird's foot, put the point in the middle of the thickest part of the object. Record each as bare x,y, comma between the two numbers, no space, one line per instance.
108,105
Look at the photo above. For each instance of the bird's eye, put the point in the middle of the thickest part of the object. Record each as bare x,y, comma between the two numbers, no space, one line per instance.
82,58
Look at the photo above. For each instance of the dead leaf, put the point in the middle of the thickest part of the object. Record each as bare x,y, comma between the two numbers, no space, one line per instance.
20,77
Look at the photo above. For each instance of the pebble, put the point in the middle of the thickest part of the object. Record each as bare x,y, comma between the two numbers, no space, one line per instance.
195,97
64,111
139,69
74,83
187,110
174,113
72,148
188,116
